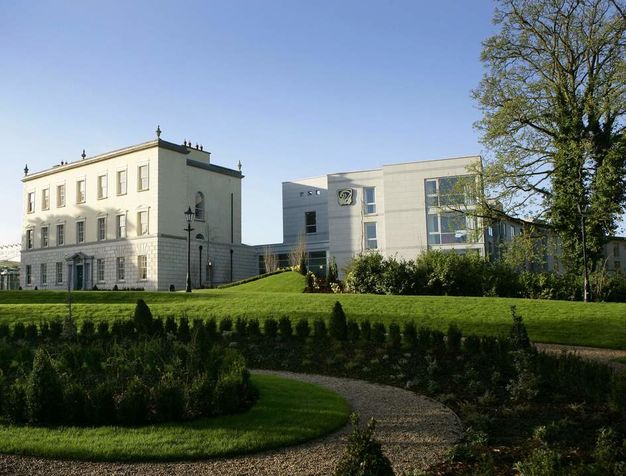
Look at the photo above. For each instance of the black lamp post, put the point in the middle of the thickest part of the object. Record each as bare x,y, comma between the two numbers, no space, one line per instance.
189,215
200,265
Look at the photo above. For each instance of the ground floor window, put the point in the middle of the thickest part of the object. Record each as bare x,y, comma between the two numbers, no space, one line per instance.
142,266
100,270
44,274
446,228
371,240
120,268
59,272
29,275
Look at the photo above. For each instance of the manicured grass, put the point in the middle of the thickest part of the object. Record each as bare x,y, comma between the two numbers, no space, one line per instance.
558,322
288,282
287,412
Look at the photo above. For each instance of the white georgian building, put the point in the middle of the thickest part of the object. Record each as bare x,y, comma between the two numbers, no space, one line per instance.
117,219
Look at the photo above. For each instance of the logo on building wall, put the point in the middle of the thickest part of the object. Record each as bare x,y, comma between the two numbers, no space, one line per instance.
345,196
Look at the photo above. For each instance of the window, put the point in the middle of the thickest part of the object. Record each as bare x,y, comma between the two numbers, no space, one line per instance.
44,274
616,249
103,186
59,272
120,263
80,232
29,274
121,182
371,242
369,197
102,228
446,228
61,195
60,235
200,206
100,270
512,229
31,202
44,236
121,226
310,220
142,178
142,223
446,191
142,266
81,194
45,199
29,239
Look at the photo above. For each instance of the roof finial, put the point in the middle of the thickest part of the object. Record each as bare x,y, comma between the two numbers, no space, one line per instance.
83,155
239,165
26,169
158,132
185,142
201,148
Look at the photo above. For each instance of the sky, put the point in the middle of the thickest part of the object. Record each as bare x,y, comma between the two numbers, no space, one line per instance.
291,88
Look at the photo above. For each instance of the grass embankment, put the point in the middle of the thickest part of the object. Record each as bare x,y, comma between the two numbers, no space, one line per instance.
287,282
287,412
557,322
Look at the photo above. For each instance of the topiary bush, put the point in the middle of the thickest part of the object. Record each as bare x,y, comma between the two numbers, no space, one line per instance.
44,391
337,327
303,330
284,327
142,318
363,455
270,328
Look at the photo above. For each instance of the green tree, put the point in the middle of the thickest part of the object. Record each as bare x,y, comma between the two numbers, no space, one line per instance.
338,327
554,103
142,317
44,391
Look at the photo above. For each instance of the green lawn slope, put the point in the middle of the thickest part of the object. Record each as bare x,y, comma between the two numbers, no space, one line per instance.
287,282
560,322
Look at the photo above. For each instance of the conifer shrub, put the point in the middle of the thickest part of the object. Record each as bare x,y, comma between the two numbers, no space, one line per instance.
337,327
241,327
226,325
142,318
19,331
284,327
453,339
254,328
379,333
353,330
395,337
5,331
169,399
270,328
132,407
44,391
171,327
103,330
363,455
320,331
184,334
31,333
410,335
303,329
366,330
56,328
87,330
75,404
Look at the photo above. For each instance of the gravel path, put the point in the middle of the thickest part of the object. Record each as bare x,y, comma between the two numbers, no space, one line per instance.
590,353
415,432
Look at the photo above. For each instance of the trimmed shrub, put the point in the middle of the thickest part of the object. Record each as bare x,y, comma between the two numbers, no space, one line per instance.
319,329
200,397
184,334
284,327
31,333
410,335
142,318
56,328
270,328
44,392
453,339
132,405
366,330
19,331
14,407
395,337
241,327
226,325
5,331
337,327
87,330
211,329
254,328
102,404
363,455
169,400
303,330
379,333
75,405
353,330
170,326
103,330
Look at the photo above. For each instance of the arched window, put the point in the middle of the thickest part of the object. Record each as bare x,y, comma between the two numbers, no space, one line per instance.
200,206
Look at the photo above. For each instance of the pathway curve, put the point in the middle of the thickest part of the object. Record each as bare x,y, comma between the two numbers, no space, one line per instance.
414,430
606,356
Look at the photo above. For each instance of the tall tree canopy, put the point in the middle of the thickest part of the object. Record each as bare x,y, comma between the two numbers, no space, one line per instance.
554,108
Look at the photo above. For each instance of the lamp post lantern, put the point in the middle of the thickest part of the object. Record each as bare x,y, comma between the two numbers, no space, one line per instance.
189,215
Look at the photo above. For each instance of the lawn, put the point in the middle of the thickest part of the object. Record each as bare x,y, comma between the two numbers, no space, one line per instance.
287,412
559,322
288,282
